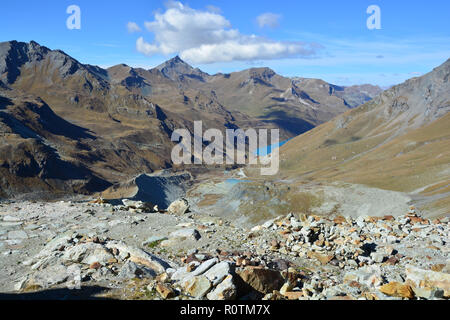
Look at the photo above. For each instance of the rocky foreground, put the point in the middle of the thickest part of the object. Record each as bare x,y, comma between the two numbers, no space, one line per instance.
135,251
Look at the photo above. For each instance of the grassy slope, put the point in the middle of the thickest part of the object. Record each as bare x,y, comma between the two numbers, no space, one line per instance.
360,147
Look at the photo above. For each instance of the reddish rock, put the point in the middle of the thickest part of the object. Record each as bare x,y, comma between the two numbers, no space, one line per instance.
392,261
95,265
323,258
262,280
339,220
420,220
437,267
294,295
355,284
396,289
165,291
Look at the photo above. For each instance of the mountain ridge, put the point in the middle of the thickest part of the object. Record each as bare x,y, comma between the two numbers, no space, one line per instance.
130,113
399,141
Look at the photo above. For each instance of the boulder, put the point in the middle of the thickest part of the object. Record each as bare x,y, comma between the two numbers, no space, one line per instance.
293,295
420,278
197,287
178,207
165,291
370,276
138,205
131,270
226,290
17,235
88,253
55,244
9,218
378,257
53,275
218,272
428,293
262,280
183,272
205,266
139,256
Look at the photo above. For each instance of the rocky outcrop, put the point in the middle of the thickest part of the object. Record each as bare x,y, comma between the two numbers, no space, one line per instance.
78,258
178,207
167,256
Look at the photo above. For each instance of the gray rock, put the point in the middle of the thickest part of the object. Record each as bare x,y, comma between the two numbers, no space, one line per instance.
178,207
197,287
182,272
191,234
55,244
200,257
10,224
218,272
139,205
19,234
226,290
131,270
88,253
53,275
139,256
268,224
9,218
205,266
43,263
369,275
378,257
21,284
433,279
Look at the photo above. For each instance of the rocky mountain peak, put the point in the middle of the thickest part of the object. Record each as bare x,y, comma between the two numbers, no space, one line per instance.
18,58
177,59
261,73
418,101
175,63
176,68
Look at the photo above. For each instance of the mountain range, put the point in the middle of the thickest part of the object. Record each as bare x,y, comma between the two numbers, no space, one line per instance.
68,127
398,141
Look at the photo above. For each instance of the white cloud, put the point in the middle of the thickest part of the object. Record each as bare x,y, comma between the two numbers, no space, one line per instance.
133,27
208,37
246,49
271,20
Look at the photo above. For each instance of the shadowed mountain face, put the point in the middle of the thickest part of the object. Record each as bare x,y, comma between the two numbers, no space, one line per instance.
108,126
398,141
35,146
293,105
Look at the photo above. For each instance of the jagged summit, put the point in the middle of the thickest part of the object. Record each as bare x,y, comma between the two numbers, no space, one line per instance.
32,56
175,61
176,69
133,110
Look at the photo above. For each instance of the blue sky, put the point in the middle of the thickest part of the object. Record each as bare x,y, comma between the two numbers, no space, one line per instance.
320,39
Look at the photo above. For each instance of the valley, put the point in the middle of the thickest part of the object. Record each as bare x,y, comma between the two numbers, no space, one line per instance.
91,199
